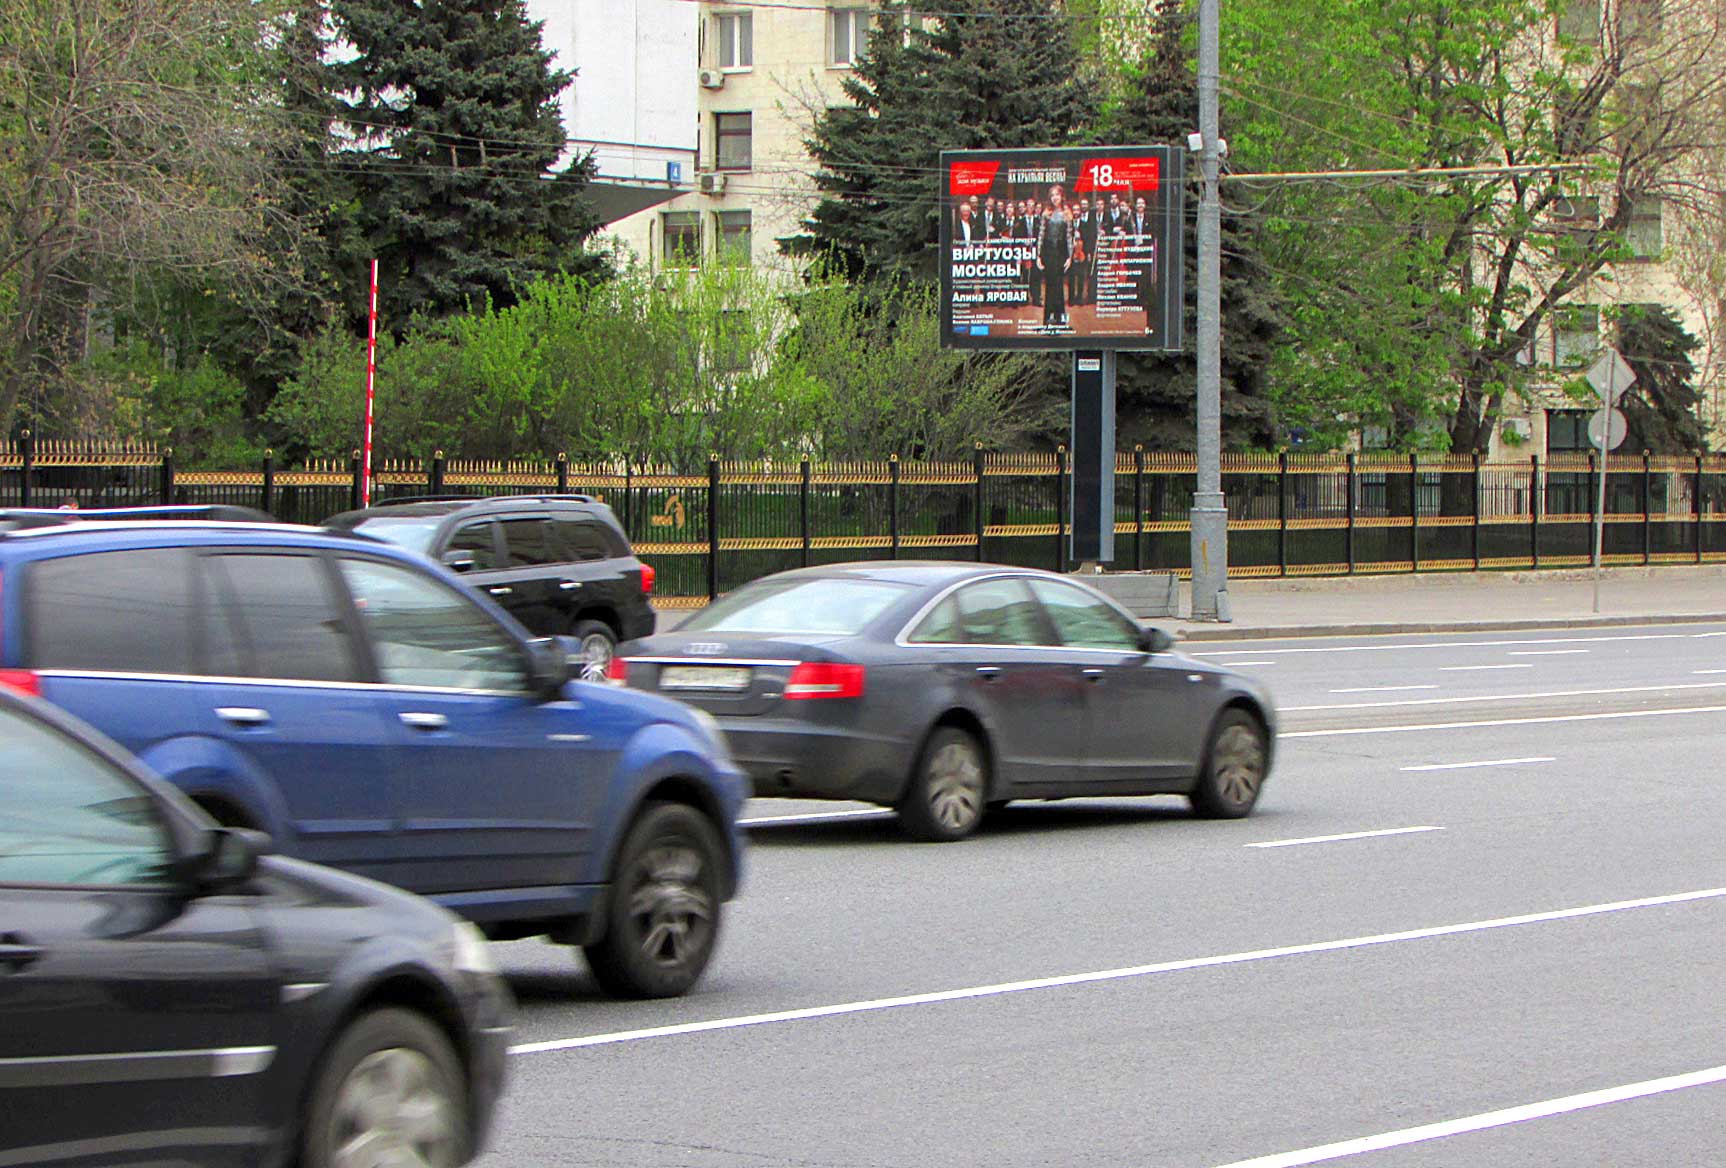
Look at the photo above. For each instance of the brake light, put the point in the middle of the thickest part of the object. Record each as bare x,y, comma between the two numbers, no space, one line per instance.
617,671
824,679
26,681
648,576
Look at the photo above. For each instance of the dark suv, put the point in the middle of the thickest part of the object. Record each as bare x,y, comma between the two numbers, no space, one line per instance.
561,564
370,713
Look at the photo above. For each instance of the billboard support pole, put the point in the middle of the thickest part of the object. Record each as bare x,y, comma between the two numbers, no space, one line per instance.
1210,517
1093,445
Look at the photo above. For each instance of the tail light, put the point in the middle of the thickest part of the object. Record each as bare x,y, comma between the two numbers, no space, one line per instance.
617,671
824,679
648,576
26,681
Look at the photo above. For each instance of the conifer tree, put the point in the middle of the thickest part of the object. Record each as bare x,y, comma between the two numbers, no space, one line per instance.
1160,106
989,74
452,108
1660,408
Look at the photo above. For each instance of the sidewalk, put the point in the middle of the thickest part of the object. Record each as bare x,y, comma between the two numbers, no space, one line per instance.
1461,602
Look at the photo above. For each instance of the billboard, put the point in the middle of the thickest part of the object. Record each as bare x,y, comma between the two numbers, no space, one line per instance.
1062,248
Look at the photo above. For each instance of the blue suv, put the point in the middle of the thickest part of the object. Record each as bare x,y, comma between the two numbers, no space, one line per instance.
370,712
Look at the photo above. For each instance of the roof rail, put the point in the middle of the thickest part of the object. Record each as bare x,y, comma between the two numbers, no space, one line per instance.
15,518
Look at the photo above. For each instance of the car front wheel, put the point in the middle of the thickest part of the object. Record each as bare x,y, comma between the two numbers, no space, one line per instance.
390,1092
948,792
597,643
1233,773
662,916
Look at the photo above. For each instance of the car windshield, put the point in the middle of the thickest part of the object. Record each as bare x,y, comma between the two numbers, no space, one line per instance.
414,534
839,605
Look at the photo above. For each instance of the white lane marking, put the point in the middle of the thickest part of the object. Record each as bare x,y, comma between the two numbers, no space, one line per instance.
813,817
1485,762
1512,697
1485,1120
1472,668
1546,652
1708,671
1380,689
1455,644
1348,835
1232,664
1135,971
1348,730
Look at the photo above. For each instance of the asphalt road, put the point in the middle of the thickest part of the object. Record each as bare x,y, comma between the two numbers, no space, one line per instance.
1513,955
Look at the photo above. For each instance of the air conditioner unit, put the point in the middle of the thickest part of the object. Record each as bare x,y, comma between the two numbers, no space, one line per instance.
711,183
710,78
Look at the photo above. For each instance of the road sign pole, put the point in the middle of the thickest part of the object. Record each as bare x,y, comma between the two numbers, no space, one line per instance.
1610,394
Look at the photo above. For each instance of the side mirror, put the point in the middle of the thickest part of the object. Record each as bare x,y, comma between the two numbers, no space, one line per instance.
548,665
229,859
457,560
1153,640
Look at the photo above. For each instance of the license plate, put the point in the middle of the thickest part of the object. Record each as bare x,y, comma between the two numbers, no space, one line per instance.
721,678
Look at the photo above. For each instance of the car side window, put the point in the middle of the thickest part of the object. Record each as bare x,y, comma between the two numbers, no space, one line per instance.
69,816
476,539
576,540
283,619
528,543
114,612
1000,612
1083,621
425,634
940,627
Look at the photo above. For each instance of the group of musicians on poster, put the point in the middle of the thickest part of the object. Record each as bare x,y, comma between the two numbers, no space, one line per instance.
1085,248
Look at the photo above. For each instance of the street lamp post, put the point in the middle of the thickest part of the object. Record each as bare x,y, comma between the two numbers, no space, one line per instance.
1210,518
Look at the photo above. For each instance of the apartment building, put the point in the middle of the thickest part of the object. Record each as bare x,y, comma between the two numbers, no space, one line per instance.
696,112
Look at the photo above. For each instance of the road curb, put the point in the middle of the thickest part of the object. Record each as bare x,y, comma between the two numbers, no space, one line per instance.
1222,632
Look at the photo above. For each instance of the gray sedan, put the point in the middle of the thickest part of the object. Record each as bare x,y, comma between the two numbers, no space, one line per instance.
943,690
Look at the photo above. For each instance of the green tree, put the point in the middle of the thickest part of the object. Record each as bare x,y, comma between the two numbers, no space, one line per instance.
1158,105
987,74
448,111
1662,408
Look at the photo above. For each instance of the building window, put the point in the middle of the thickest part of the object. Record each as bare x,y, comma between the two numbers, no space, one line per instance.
731,141
1579,21
1643,233
734,238
681,233
1567,431
849,37
1577,212
734,34
1576,335
1639,21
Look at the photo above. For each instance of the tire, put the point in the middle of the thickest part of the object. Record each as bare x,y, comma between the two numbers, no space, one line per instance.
389,1090
598,642
1233,772
949,790
662,915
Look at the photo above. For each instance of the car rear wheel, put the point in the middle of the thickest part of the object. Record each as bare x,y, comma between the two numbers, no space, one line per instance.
1234,768
662,916
390,1092
949,790
598,643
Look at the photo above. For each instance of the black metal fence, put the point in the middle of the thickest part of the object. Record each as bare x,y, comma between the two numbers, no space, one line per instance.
707,532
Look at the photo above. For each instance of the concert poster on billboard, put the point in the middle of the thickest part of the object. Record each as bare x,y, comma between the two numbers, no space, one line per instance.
1062,248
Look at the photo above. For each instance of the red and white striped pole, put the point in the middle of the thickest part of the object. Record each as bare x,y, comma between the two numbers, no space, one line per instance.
371,388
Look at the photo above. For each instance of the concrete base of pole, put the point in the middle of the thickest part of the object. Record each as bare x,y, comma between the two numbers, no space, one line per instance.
1210,557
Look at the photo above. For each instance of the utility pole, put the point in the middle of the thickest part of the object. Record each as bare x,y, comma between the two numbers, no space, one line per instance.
1210,517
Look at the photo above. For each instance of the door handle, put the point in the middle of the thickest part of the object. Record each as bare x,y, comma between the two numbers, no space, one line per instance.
989,672
500,590
1093,675
17,952
243,715
421,721
570,585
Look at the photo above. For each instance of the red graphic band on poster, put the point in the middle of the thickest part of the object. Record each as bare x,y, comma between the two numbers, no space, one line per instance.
1139,175
972,178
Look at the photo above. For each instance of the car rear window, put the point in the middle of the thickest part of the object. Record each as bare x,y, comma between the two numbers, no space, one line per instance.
112,612
415,534
836,605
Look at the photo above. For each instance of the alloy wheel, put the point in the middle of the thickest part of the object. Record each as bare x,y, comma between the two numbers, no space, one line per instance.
393,1112
956,786
1238,760
672,911
596,655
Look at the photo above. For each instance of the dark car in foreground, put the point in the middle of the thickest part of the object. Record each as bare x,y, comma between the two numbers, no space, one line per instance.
369,712
171,995
944,689
559,564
